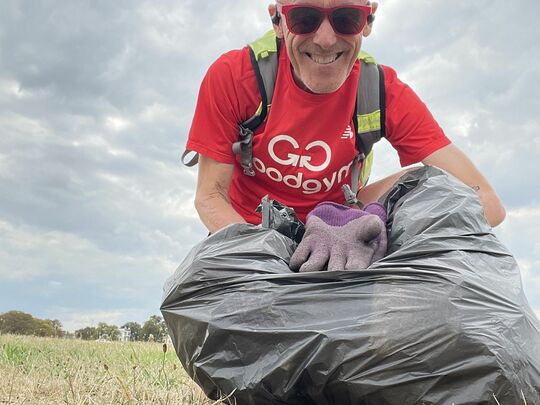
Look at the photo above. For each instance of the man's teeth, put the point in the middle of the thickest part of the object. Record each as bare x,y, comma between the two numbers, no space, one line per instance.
324,60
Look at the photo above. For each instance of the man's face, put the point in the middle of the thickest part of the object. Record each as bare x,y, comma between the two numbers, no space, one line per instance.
323,60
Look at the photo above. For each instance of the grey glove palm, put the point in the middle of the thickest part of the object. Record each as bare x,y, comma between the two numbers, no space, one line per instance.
341,238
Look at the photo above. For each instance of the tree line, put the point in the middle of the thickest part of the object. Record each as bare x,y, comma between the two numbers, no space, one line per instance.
21,323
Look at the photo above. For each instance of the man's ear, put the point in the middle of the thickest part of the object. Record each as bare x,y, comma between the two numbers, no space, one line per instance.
369,26
276,20
367,30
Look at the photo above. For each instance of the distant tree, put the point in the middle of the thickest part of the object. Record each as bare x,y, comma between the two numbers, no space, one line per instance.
156,327
134,330
110,332
43,328
88,333
17,323
21,323
57,327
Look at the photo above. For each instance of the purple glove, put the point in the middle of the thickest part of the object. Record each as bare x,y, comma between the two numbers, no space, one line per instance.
344,238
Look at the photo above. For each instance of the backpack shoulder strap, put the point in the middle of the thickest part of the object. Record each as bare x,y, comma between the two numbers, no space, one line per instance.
264,54
370,107
369,117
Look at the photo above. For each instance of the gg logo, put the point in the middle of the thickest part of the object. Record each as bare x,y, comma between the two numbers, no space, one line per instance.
293,159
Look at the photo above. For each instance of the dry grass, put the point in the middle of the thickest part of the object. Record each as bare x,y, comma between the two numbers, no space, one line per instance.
56,371
42,371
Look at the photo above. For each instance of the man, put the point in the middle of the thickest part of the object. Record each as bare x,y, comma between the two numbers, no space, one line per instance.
300,151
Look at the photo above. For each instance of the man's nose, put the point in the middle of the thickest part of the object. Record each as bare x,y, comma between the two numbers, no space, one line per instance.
325,36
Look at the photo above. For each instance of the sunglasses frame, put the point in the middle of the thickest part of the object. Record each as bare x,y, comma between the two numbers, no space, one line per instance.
326,13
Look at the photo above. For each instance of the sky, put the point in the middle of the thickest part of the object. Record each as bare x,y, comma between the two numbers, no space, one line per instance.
96,100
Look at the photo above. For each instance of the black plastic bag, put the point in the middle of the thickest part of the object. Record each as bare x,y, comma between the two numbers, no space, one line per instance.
283,219
441,319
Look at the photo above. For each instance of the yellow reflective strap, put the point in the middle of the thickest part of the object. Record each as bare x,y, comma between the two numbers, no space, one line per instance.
369,122
367,164
265,45
258,112
366,57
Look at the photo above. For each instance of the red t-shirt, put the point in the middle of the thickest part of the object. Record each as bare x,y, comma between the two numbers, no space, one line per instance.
303,153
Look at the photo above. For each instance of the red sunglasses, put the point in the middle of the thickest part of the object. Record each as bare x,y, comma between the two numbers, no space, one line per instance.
305,19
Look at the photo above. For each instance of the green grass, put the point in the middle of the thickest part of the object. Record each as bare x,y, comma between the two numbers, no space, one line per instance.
57,371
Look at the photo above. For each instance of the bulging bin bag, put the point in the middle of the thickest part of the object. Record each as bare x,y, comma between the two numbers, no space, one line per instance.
441,319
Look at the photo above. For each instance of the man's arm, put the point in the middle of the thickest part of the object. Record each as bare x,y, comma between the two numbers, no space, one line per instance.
212,195
455,162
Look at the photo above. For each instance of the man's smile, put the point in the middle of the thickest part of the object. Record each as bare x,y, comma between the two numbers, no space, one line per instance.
324,59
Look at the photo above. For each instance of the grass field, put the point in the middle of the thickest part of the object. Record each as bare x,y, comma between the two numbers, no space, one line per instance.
58,371
43,371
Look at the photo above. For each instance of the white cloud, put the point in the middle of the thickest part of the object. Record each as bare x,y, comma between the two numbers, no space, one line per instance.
117,123
32,254
520,230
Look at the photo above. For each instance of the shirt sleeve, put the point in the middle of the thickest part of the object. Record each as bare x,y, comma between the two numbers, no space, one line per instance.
410,127
227,96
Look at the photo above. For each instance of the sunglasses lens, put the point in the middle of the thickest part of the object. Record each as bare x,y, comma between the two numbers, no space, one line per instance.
304,20
348,21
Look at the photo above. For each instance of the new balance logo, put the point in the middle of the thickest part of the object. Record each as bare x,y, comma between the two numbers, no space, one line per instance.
348,134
